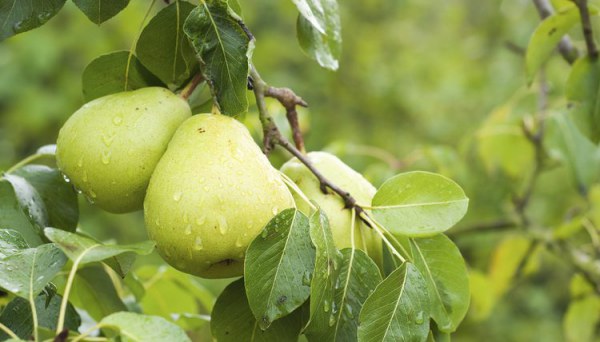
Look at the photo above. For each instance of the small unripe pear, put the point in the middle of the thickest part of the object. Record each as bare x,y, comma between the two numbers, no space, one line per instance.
210,195
340,218
110,146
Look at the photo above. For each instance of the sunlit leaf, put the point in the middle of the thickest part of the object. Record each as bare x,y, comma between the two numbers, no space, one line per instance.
138,327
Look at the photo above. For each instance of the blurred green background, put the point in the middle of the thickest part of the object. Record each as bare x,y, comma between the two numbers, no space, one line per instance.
417,81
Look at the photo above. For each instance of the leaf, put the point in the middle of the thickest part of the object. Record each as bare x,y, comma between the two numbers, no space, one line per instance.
232,320
18,16
444,270
483,299
99,11
138,327
57,195
30,270
47,150
94,291
12,215
163,47
398,309
115,72
29,200
224,49
581,319
583,86
17,316
276,264
319,31
567,144
322,286
11,242
419,204
506,259
545,38
83,249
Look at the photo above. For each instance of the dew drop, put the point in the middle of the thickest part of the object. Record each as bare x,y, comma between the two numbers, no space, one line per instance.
306,278
331,320
238,242
157,221
44,16
223,225
106,157
419,317
80,162
275,210
206,188
264,234
177,198
92,194
66,178
117,120
89,199
198,245
326,305
348,310
84,177
188,229
19,26
200,220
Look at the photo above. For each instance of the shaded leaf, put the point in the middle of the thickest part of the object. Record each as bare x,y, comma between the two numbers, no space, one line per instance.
419,204
443,268
174,64
224,49
18,16
138,327
99,11
398,309
276,263
115,72
232,320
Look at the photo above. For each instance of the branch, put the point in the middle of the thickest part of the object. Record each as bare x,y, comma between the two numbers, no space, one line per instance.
586,25
565,47
289,100
187,91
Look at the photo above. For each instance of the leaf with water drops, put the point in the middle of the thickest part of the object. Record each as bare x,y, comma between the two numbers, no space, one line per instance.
99,11
12,216
398,309
18,16
175,64
115,72
445,273
58,196
84,249
224,50
18,318
30,270
419,204
276,265
11,242
138,327
29,199
233,321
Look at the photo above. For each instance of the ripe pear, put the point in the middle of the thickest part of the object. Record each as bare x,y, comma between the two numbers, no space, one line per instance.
340,218
110,146
210,195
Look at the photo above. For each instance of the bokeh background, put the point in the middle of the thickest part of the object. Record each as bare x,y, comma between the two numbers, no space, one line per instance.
417,81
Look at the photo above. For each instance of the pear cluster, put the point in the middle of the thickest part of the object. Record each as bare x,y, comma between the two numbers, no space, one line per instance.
206,188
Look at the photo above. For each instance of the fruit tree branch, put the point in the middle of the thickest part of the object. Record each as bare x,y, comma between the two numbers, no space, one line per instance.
565,47
586,25
289,100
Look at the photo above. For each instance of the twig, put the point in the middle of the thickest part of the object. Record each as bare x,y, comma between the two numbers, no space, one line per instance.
586,25
289,100
187,91
565,47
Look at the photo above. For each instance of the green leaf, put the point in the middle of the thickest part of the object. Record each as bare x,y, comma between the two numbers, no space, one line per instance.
12,215
29,200
581,319
545,38
419,204
18,16
233,321
99,11
30,270
85,250
444,270
567,144
322,286
224,49
94,291
276,265
17,316
115,72
11,242
138,327
174,64
398,309
583,88
59,198
505,262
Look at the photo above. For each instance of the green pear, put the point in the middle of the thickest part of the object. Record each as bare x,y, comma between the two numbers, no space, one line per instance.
210,195
110,146
340,218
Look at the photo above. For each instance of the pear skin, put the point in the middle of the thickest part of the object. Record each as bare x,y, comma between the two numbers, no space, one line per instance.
110,146
210,195
340,218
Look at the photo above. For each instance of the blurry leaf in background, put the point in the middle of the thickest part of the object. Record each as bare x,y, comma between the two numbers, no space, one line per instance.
483,298
99,11
582,88
19,16
137,327
583,314
116,72
506,260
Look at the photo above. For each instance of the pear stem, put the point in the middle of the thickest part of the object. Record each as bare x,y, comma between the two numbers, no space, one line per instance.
189,88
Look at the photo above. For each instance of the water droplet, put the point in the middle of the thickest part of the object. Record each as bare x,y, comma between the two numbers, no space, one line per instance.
92,194
188,229
239,242
326,305
20,26
80,162
157,221
206,188
200,220
222,222
84,177
275,210
348,310
44,16
66,178
198,245
40,278
106,157
306,278
107,139
331,320
419,317
89,199
264,234
117,120
177,198
167,252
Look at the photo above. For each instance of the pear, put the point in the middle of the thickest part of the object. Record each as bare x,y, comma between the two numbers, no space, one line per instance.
110,146
340,218
210,195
